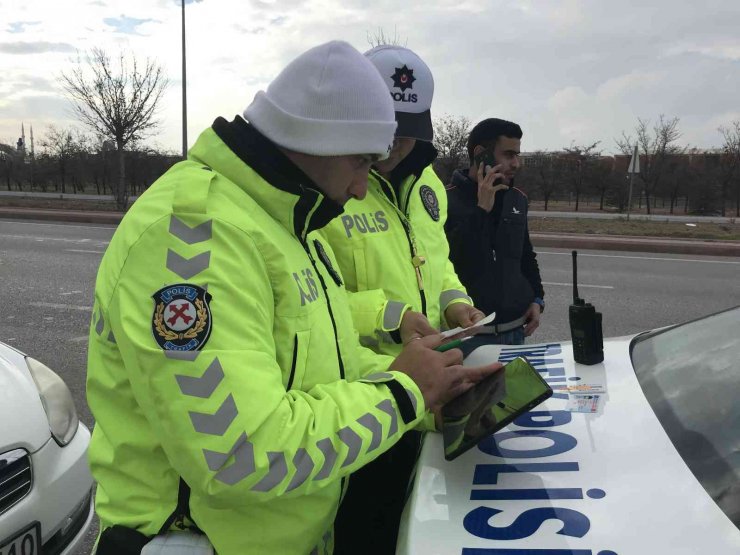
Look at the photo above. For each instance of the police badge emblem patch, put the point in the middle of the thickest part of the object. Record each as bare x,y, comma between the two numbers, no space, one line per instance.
429,199
182,317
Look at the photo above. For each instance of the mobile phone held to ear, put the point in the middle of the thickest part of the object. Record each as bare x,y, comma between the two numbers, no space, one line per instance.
491,405
488,159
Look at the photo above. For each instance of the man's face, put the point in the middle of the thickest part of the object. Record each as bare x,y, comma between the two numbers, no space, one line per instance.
402,146
341,177
507,155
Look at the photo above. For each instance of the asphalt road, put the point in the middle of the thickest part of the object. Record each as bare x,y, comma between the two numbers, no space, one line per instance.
48,272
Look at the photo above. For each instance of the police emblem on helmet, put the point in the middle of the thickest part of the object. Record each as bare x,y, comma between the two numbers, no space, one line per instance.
182,317
429,199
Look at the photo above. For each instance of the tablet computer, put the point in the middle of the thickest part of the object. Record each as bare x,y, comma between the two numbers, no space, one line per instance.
491,405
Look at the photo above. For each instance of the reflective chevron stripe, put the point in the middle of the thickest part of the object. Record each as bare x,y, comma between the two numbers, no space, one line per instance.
373,424
330,457
205,385
191,235
387,407
216,424
352,440
188,356
277,473
187,267
304,465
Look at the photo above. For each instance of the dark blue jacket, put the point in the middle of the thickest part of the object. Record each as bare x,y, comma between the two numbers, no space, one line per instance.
491,252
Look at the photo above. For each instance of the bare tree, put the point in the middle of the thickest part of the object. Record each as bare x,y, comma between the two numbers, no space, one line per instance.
546,169
380,38
62,145
580,160
731,163
451,141
119,103
656,146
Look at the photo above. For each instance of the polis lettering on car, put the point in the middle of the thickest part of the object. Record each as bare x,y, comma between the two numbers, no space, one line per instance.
538,424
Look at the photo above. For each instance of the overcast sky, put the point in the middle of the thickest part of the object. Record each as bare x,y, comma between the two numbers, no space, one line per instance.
565,70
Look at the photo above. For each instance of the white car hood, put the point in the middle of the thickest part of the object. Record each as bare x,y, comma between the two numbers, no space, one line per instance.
22,417
616,484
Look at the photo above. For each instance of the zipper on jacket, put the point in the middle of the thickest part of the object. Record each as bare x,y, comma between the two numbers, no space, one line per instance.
328,305
416,260
293,363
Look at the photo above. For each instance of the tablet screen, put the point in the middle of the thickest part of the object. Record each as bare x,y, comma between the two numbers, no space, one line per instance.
490,405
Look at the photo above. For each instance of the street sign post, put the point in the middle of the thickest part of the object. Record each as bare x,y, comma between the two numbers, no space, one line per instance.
633,168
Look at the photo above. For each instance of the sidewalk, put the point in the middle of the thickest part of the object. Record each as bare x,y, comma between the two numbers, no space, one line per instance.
548,240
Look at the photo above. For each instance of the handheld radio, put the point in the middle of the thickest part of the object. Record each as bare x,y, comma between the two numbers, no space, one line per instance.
585,326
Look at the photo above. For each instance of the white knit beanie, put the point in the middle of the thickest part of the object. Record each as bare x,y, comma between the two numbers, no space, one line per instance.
329,101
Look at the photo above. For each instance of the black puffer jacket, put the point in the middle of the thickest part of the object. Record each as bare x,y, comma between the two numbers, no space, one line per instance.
491,252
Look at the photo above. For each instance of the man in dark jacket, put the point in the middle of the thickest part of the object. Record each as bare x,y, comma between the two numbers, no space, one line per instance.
489,237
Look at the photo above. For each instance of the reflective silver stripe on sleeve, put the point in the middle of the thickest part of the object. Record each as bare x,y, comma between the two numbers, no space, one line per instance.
330,458
202,386
187,267
243,465
216,424
352,440
387,407
373,424
101,323
412,397
188,356
277,473
303,466
452,295
392,315
378,377
190,235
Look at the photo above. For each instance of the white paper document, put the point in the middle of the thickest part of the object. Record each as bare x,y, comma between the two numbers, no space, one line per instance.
487,320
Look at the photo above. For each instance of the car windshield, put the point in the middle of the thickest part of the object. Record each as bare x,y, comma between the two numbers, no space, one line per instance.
691,376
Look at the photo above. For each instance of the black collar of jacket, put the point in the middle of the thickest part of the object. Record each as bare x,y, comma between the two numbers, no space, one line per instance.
419,158
461,180
261,154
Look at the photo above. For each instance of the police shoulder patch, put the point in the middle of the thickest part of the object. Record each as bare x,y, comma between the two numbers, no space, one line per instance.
182,317
430,201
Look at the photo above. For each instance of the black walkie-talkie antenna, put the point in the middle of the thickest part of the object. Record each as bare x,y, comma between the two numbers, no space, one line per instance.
575,279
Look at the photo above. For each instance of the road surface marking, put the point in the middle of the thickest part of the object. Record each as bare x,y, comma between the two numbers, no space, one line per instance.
62,306
643,257
81,250
579,285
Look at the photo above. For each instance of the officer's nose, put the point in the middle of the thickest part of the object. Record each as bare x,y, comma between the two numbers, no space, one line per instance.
358,187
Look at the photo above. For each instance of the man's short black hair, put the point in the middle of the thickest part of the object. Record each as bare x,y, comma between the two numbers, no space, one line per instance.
487,132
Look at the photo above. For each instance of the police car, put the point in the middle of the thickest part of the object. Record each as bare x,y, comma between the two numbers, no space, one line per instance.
45,484
655,469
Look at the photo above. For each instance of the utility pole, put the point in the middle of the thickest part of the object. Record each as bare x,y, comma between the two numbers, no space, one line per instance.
184,89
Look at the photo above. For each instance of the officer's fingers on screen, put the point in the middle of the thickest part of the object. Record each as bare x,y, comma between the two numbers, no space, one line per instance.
474,374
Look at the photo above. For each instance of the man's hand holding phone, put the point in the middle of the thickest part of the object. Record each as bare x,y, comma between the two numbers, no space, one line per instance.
489,183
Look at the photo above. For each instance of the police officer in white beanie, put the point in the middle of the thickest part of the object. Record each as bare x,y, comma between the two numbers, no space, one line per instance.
230,393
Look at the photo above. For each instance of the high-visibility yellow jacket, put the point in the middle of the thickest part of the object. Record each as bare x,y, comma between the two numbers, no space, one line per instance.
223,358
393,253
